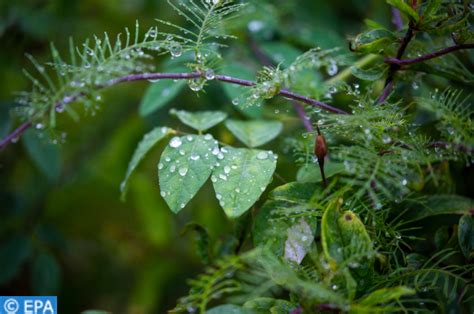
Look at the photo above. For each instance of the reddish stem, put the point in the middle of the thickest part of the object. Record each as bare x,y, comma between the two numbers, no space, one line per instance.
439,53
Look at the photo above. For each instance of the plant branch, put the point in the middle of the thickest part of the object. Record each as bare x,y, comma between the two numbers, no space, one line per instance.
389,84
267,61
174,76
439,53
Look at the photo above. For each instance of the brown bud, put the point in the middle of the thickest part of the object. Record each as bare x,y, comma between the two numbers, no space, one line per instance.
320,149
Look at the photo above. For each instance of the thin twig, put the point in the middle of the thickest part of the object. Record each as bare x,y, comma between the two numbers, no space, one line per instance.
174,76
439,53
389,84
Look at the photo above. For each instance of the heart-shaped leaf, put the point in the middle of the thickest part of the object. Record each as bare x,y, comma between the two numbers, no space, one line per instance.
254,133
200,121
185,165
240,177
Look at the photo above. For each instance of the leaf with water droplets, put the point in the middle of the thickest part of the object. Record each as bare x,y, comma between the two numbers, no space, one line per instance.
466,235
146,144
185,165
299,240
346,241
240,178
256,132
200,121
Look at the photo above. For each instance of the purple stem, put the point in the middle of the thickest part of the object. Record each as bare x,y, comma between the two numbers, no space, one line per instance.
429,56
304,118
397,19
174,76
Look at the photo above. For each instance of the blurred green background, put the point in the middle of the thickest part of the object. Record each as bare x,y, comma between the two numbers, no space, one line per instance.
63,229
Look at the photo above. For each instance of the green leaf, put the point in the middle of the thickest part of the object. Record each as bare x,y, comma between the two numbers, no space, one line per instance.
281,52
45,156
185,165
158,95
256,132
405,8
466,235
235,91
13,253
386,295
346,241
372,74
45,275
295,192
229,309
373,41
299,240
240,177
441,205
311,172
200,121
146,144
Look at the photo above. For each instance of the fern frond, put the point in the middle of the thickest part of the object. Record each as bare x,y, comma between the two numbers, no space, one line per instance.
214,284
207,19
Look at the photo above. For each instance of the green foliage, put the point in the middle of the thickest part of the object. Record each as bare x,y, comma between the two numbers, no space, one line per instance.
380,233
240,177
200,121
254,133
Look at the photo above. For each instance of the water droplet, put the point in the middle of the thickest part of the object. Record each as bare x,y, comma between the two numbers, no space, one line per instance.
160,166
415,85
175,49
172,168
386,139
404,182
163,193
332,68
213,179
196,84
255,26
262,155
210,74
194,156
219,196
226,169
223,177
39,126
208,137
175,142
183,171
